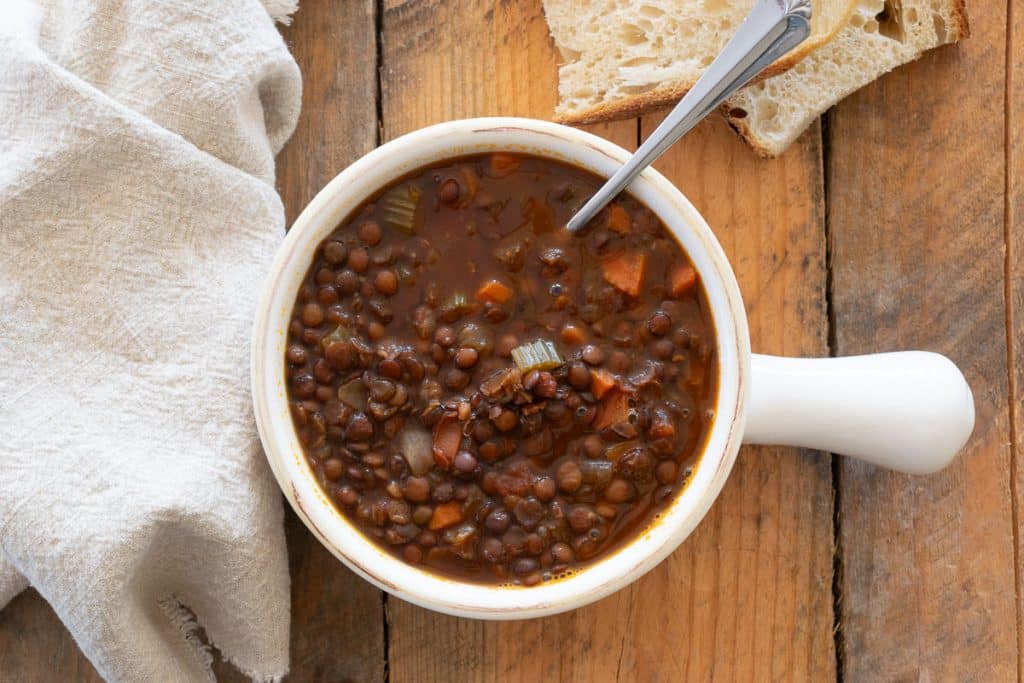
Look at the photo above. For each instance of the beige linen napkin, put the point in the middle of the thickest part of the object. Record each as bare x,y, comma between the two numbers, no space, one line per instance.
137,220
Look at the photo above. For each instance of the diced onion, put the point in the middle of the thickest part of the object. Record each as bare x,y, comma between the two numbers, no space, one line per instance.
353,393
416,446
338,334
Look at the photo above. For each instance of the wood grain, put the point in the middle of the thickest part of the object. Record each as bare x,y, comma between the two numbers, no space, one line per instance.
35,646
926,220
1015,281
444,60
750,594
337,618
916,213
335,46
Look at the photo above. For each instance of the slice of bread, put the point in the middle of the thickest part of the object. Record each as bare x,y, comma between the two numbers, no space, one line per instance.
880,35
623,57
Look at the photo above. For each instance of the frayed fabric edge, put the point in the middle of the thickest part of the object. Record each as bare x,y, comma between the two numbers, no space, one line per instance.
188,625
281,11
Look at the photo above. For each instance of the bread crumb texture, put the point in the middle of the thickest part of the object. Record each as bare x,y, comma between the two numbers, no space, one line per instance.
880,36
625,57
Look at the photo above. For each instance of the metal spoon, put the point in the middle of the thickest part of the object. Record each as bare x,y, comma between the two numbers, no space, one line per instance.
773,28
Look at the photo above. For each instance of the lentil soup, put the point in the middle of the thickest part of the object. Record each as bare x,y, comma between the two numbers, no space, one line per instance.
488,396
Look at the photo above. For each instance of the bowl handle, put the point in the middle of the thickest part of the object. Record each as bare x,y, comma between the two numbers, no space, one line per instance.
910,411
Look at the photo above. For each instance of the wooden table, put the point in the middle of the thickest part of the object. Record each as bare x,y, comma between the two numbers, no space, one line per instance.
898,222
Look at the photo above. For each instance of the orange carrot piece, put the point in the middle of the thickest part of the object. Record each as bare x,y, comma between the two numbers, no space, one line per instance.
501,164
681,280
601,381
625,271
445,515
614,409
494,292
447,437
619,221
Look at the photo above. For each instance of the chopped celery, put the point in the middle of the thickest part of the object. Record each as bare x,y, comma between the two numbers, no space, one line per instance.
415,445
537,355
399,207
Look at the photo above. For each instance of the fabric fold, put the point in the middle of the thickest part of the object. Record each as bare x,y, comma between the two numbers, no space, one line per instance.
138,219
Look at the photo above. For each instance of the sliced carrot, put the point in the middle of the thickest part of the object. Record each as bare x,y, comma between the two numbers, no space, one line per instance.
445,515
502,164
601,381
619,221
681,280
494,292
447,437
614,409
625,271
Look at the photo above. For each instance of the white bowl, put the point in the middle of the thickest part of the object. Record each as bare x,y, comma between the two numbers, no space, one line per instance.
812,383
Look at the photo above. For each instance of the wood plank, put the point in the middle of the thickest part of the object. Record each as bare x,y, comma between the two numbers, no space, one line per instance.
35,646
916,209
750,594
337,618
1015,282
335,46
751,590
444,60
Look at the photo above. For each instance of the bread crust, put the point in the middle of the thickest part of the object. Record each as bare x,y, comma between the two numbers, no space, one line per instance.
665,96
742,128
963,24
959,31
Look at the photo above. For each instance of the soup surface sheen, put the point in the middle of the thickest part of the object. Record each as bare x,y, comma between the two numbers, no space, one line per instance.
486,395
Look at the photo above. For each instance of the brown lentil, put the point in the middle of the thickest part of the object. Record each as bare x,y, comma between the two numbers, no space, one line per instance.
579,376
312,314
592,355
386,282
665,472
358,260
297,355
448,191
619,491
569,476
335,252
659,324
466,357
370,233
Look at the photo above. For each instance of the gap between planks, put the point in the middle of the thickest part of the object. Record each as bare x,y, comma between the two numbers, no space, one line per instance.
831,346
1009,180
378,30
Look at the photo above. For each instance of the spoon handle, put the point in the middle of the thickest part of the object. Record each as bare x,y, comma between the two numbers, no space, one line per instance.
773,28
